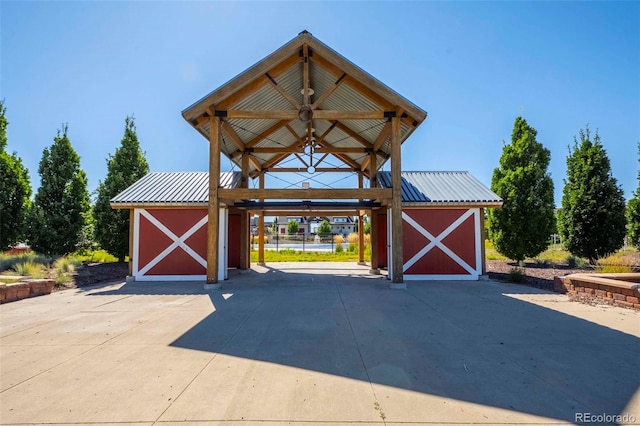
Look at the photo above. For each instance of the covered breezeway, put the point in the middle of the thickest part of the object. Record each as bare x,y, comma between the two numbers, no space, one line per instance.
307,103
305,110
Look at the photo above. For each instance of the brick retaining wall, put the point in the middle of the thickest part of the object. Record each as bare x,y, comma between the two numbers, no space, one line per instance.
24,289
613,289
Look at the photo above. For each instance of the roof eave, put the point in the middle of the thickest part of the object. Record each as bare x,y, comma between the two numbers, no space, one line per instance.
487,204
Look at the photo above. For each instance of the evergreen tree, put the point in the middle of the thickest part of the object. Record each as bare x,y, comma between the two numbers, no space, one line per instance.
324,229
61,204
127,166
292,227
592,219
633,213
15,190
522,227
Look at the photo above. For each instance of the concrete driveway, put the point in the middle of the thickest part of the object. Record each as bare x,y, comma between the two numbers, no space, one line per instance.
315,344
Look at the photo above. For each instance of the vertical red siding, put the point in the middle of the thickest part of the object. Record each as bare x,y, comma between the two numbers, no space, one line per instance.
233,244
382,240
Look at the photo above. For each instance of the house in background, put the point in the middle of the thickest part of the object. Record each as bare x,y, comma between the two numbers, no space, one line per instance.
283,224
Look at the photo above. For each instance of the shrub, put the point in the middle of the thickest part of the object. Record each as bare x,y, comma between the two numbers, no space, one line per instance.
352,247
575,262
352,238
339,248
66,264
516,275
62,279
29,269
338,239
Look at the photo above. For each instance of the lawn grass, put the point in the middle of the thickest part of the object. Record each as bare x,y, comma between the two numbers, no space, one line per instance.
289,255
556,254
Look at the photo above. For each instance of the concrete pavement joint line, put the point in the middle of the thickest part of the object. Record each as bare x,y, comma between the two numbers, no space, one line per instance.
373,391
244,321
495,348
113,301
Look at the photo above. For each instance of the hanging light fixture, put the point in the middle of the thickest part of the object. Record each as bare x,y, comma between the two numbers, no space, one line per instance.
305,113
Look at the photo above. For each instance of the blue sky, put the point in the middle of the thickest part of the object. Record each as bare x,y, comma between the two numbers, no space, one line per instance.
473,66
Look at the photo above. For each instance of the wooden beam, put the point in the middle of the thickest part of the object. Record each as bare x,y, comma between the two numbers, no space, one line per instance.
303,212
363,83
236,96
325,114
319,114
360,226
256,140
305,75
301,159
261,228
326,132
274,160
237,141
373,164
213,209
317,169
262,114
244,216
396,203
282,92
382,136
354,135
305,194
293,132
320,160
328,149
276,150
253,160
323,97
365,163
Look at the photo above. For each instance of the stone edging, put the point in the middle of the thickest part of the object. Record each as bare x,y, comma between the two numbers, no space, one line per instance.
25,288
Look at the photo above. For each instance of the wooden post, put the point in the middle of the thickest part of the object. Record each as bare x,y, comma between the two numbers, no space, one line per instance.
360,227
482,243
213,205
131,235
244,216
373,183
397,259
261,228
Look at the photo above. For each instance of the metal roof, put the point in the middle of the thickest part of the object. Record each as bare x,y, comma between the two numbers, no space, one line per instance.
276,83
172,189
442,188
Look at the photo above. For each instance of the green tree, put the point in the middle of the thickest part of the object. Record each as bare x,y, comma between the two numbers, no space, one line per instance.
15,190
592,219
127,166
61,205
633,213
521,228
324,229
292,227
